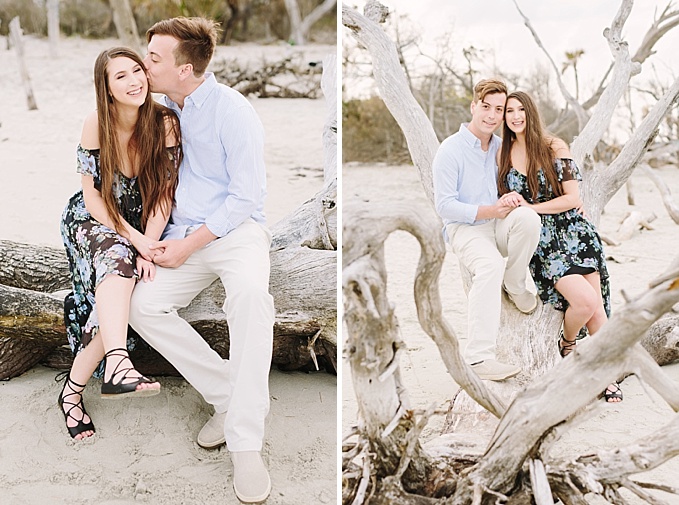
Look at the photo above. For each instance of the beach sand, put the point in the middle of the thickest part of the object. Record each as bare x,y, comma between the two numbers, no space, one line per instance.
145,450
637,260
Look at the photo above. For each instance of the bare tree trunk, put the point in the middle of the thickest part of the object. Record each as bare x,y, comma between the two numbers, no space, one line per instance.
299,28
125,24
15,35
53,27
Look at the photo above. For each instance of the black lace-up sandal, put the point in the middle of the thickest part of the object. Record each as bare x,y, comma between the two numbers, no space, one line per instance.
82,426
613,392
566,346
117,387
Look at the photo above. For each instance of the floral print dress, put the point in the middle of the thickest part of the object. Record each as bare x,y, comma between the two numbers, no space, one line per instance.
567,239
95,251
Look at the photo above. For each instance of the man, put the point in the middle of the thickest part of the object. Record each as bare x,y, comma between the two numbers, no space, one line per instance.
483,230
216,230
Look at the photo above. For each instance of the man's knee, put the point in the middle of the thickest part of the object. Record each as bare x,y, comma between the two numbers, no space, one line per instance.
527,219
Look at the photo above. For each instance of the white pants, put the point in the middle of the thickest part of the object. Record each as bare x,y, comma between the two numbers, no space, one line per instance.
241,384
481,249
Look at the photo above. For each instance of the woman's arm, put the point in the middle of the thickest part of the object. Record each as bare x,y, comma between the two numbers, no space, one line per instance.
161,214
571,197
94,203
569,200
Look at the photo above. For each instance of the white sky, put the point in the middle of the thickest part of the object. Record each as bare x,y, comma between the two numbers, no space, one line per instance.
563,25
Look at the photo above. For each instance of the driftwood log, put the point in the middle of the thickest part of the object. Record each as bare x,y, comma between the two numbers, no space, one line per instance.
290,77
34,280
495,448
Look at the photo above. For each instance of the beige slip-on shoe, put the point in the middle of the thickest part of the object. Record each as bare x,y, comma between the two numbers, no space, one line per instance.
526,302
491,369
212,434
251,480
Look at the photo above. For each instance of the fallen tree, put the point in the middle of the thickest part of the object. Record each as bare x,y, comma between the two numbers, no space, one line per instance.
33,280
498,434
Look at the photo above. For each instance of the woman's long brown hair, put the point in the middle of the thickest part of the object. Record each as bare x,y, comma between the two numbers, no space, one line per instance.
539,152
158,174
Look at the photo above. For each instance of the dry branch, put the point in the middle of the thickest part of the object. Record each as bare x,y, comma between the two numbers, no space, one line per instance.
670,206
291,77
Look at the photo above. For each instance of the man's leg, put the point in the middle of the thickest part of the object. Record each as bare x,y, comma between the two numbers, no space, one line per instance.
153,314
517,237
475,248
241,259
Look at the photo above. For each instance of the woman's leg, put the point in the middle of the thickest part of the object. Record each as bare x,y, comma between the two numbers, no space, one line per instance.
613,392
113,308
583,303
84,365
599,317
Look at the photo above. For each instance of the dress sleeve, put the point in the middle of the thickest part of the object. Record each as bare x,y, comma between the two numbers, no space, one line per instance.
567,170
88,164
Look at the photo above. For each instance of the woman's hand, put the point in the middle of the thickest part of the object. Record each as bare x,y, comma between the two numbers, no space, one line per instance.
146,269
513,199
141,243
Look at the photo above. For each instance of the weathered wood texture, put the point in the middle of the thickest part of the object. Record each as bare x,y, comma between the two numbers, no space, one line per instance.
303,283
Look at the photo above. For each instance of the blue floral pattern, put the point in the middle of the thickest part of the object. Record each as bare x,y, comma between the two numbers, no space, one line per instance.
95,251
567,239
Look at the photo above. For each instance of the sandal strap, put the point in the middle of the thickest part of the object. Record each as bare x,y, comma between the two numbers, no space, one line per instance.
81,425
112,387
568,345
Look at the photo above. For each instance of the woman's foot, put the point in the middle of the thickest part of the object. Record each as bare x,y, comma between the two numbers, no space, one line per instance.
70,401
613,393
121,379
566,346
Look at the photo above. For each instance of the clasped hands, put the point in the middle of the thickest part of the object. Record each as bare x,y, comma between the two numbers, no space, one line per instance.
508,202
166,253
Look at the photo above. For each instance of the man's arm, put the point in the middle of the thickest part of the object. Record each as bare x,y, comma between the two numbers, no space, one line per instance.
446,171
242,136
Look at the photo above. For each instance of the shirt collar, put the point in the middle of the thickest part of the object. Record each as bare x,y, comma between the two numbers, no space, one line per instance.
472,139
201,93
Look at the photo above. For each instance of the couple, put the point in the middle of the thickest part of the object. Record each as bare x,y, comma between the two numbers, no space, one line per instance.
189,172
525,211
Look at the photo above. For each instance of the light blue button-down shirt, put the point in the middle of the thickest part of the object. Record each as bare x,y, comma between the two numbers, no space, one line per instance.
222,179
465,177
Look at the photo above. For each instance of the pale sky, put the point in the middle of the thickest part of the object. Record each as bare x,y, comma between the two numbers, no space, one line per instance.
562,25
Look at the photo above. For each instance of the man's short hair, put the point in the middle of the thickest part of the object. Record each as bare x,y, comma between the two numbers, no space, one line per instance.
488,87
197,40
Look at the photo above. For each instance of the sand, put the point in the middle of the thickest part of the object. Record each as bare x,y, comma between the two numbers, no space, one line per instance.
637,260
144,450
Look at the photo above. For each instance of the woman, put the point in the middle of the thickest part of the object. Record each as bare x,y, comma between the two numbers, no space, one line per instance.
569,267
128,157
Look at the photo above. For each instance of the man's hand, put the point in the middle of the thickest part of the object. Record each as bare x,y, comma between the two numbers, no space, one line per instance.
146,269
171,253
501,210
